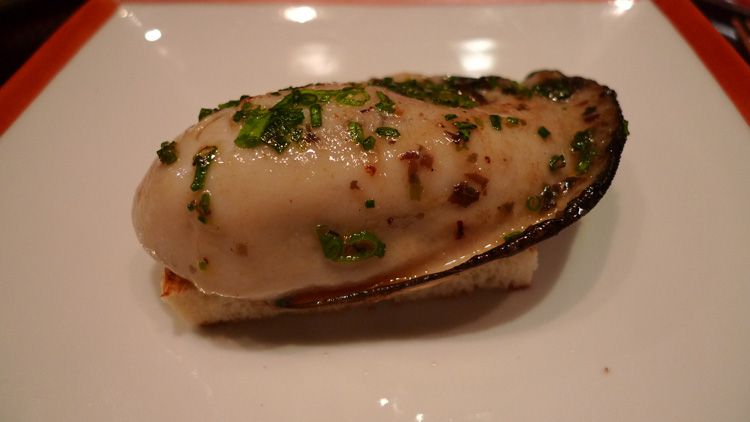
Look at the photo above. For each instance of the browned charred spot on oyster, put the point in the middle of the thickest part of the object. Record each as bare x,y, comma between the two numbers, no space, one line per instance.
426,159
568,200
240,249
460,230
453,137
479,180
463,194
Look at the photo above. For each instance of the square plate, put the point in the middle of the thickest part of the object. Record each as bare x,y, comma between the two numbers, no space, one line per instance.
639,312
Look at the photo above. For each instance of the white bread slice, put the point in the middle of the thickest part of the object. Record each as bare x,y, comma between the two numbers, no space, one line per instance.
201,309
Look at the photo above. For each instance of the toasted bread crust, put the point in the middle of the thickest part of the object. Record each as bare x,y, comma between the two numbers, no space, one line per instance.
199,308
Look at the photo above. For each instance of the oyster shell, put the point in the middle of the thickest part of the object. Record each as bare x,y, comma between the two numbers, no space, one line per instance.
337,193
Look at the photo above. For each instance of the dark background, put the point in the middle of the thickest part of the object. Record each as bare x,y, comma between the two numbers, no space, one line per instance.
26,24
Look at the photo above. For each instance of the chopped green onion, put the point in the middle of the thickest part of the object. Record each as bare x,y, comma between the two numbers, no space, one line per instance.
353,97
167,153
257,122
203,264
331,243
387,131
273,126
582,140
497,122
584,161
363,245
386,104
543,132
307,99
625,126
206,112
204,207
201,161
296,135
278,143
368,143
370,203
450,117
356,133
205,203
554,89
316,117
512,120
352,248
556,162
533,203
446,93
465,125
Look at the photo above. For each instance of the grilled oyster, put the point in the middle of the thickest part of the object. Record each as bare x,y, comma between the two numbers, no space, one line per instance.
337,193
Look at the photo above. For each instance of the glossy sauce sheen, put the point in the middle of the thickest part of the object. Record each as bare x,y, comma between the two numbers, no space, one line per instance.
259,240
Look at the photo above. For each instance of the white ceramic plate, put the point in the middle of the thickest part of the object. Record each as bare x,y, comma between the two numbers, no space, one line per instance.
639,312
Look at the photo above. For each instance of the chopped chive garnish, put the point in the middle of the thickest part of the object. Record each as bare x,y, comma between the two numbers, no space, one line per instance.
167,153
497,122
352,248
584,161
201,161
356,133
450,117
278,143
386,104
307,99
582,140
625,126
316,116
206,112
556,162
465,125
543,132
533,203
203,264
447,92
353,97
370,203
331,243
387,131
554,89
368,143
241,115
512,120
257,122
203,207
296,134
